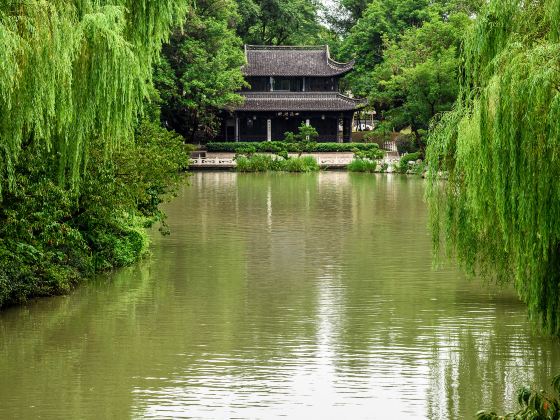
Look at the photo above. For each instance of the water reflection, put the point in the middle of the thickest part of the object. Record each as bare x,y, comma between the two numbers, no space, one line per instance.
276,295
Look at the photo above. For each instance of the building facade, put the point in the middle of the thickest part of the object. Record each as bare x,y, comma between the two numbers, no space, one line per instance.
290,86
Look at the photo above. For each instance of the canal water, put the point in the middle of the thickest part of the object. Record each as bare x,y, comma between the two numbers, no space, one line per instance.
297,296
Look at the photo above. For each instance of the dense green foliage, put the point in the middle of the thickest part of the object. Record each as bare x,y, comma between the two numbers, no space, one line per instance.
499,211
534,404
407,161
349,13
305,140
371,154
279,22
305,133
200,69
264,163
77,187
381,20
362,165
407,58
51,237
410,143
418,76
278,146
74,72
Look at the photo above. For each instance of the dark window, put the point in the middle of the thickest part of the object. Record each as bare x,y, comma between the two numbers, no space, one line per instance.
281,84
287,84
321,84
296,85
257,84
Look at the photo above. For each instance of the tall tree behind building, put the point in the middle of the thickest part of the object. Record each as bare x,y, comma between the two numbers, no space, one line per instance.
279,22
407,58
200,70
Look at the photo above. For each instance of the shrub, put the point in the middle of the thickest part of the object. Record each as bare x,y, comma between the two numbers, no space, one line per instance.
365,160
305,133
242,164
305,140
368,154
406,143
263,163
346,147
376,137
246,149
119,243
403,165
362,165
283,154
273,146
300,164
255,163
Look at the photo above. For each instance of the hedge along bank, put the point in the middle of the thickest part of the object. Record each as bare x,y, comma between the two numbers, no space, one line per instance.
279,146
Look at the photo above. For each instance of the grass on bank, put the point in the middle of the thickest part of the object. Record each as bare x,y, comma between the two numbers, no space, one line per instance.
264,163
366,161
362,165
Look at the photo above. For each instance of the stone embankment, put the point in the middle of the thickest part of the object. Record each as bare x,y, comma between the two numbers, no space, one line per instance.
326,160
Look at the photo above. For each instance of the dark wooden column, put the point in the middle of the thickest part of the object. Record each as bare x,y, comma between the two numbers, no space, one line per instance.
347,128
340,129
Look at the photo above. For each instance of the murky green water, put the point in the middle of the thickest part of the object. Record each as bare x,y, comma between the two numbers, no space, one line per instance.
303,296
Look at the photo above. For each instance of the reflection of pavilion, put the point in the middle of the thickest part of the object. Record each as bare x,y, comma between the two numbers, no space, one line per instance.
291,86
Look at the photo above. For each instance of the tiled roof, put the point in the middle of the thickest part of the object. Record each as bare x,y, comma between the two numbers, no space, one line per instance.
292,61
298,101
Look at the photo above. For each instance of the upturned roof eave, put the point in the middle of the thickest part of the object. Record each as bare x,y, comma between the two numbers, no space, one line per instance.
291,74
298,101
331,68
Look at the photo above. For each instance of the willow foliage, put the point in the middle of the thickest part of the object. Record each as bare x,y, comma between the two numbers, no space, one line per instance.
75,71
499,211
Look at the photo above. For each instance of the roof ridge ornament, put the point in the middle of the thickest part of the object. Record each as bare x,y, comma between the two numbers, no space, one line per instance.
254,47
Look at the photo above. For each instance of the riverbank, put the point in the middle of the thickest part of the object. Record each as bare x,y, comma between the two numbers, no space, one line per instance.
201,160
390,163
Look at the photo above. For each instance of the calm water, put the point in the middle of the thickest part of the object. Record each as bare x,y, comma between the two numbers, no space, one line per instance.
303,296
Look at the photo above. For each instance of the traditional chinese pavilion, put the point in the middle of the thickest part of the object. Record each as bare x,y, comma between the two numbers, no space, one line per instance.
291,86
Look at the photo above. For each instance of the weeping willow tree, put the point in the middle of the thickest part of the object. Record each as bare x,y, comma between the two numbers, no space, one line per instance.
499,211
75,71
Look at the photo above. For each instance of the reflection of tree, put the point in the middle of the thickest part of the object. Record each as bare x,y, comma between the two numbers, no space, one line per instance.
475,341
483,363
68,356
